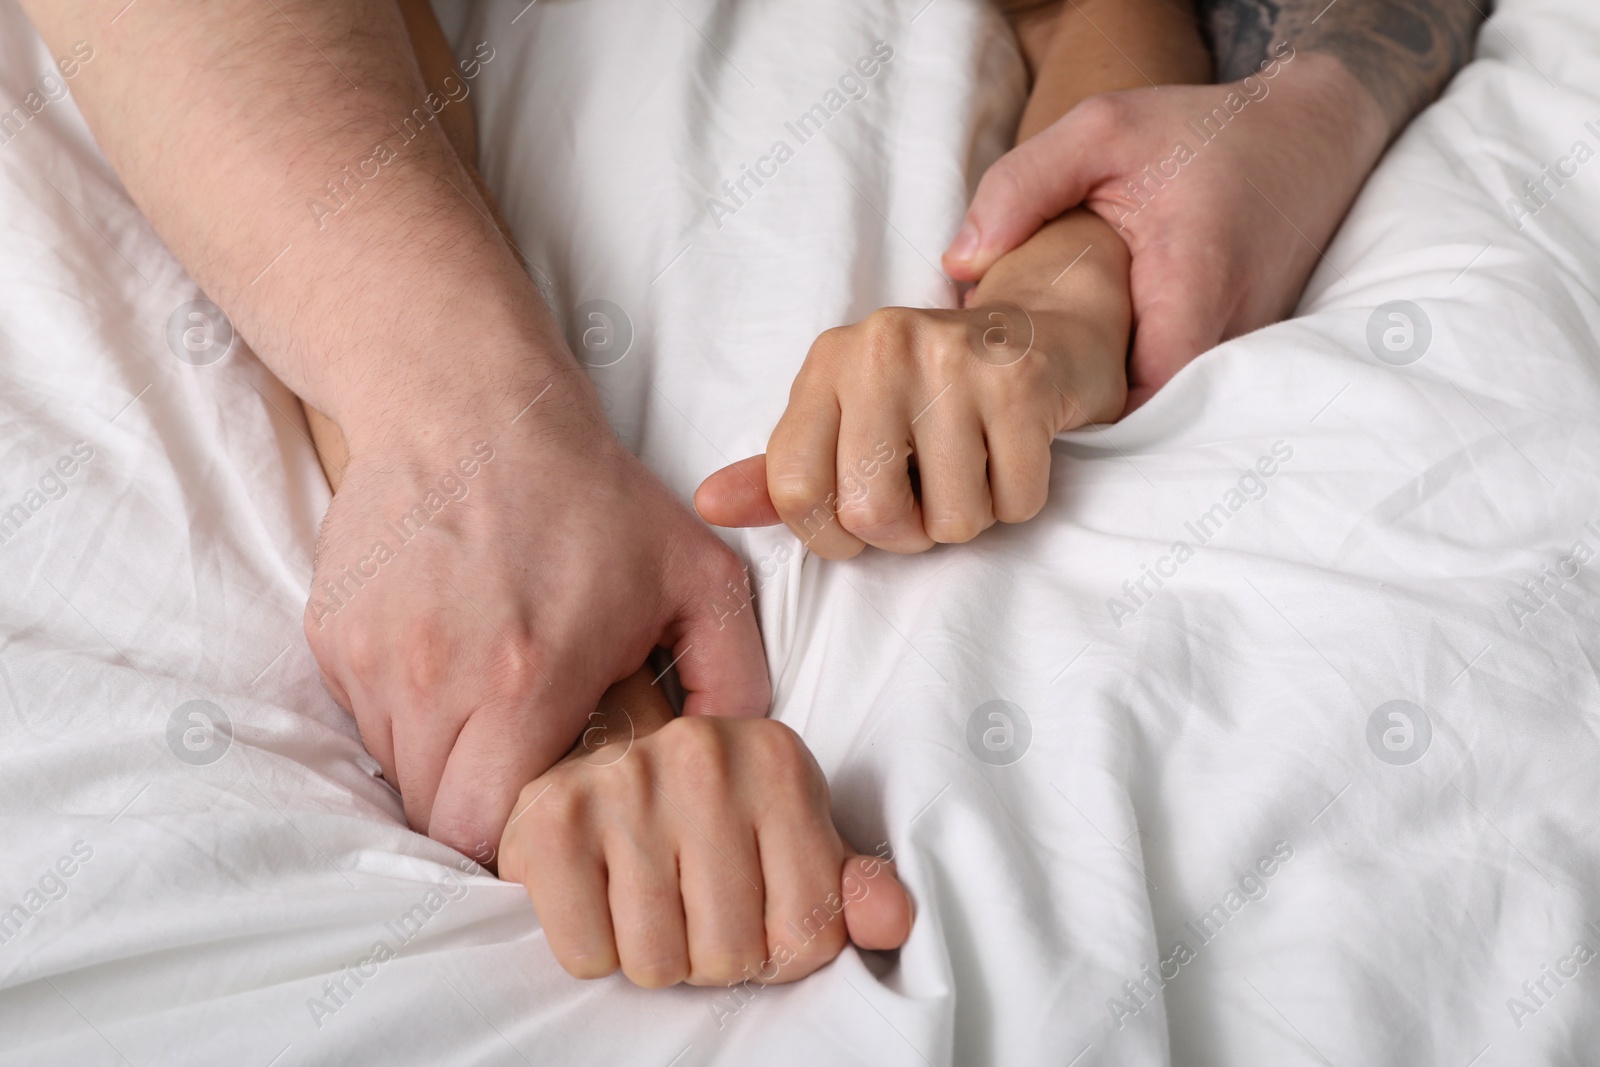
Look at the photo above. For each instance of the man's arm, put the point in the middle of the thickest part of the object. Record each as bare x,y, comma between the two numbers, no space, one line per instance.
287,155
1226,229
1402,53
494,558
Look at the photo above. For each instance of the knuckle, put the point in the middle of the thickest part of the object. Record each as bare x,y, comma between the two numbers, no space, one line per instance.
873,515
724,966
628,787
808,512
1014,179
953,529
360,648
888,323
512,661
886,333
425,653
554,818
778,753
1025,384
1101,115
697,753
315,626
772,739
657,972
830,341
800,498
1069,404
948,343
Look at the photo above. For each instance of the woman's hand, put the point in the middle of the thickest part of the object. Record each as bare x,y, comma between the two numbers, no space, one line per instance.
693,850
923,426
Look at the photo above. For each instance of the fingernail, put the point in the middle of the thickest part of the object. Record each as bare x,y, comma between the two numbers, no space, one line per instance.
965,246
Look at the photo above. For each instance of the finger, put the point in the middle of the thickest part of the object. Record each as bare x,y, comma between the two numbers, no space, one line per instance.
1034,182
801,467
716,645
723,899
377,730
500,749
422,745
557,862
805,923
647,912
1181,304
377,734
737,495
876,502
953,462
877,909
1019,469
800,857
411,674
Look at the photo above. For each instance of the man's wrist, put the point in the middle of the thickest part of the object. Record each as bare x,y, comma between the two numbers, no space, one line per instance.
528,407
478,371
1338,107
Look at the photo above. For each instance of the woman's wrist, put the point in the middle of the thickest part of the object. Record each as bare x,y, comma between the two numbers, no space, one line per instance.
1074,264
1070,281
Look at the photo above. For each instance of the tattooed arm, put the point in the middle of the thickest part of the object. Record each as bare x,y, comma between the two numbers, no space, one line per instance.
1401,51
1225,244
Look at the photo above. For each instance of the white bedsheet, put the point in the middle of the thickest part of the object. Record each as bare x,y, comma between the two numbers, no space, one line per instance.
1209,730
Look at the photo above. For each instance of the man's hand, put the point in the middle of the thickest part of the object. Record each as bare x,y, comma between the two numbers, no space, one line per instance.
495,558
694,850
1226,201
473,599
1224,232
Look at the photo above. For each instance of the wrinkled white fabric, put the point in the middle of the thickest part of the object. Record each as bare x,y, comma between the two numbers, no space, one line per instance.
1211,759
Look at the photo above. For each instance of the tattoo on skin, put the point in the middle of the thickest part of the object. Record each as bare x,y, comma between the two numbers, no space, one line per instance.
1402,51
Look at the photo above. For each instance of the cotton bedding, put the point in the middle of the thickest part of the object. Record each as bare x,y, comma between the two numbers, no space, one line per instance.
1272,740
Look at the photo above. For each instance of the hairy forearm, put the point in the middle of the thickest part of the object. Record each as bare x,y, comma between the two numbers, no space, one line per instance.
286,152
1401,51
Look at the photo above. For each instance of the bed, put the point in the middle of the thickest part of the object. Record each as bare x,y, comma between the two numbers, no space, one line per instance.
1273,740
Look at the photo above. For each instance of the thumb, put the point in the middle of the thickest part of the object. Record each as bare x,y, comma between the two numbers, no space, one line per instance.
1025,188
877,910
716,646
737,495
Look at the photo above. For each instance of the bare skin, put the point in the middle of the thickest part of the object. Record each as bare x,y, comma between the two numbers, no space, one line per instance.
1401,53
698,850
1225,243
363,266
917,427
